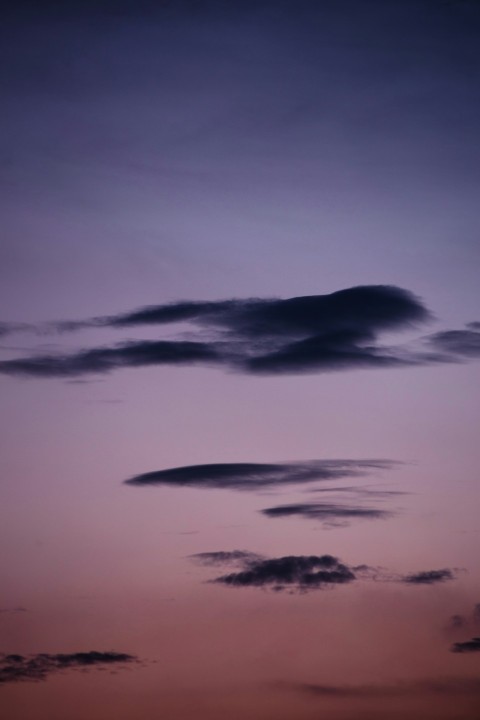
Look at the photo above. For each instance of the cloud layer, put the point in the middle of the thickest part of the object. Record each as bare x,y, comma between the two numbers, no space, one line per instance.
15,668
300,573
255,476
301,334
314,333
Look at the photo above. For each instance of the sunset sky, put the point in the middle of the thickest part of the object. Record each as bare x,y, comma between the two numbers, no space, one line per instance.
239,360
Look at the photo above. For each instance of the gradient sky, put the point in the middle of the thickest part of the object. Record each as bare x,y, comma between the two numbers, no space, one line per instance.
158,153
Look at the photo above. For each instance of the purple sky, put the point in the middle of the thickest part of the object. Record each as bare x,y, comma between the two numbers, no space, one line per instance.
291,188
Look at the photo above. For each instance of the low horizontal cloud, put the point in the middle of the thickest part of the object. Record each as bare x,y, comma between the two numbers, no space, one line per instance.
298,572
330,514
254,476
16,668
294,572
469,646
441,686
429,577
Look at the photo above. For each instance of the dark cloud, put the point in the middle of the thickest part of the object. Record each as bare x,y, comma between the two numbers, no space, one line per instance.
441,686
295,572
13,610
301,573
301,334
360,309
328,513
14,668
429,577
253,476
467,647
103,360
316,333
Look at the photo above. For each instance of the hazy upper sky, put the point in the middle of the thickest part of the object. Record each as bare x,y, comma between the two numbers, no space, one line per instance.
239,360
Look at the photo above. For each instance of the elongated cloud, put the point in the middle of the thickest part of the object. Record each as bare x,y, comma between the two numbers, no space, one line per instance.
294,572
429,577
328,513
15,668
253,476
469,646
441,686
102,360
297,572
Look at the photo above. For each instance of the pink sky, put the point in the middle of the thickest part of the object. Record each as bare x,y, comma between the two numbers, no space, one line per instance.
255,151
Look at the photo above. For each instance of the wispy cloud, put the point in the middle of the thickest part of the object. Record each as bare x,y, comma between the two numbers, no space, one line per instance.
330,514
15,668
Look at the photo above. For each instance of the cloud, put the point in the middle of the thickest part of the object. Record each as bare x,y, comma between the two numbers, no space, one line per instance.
254,476
103,360
441,686
429,577
299,572
458,343
470,621
329,513
306,334
11,328
455,622
302,334
13,610
295,572
15,668
222,557
467,647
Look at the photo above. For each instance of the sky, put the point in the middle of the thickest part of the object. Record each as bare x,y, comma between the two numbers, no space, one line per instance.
239,360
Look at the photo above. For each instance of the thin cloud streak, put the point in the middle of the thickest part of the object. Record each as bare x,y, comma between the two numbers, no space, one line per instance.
17,668
441,686
330,514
